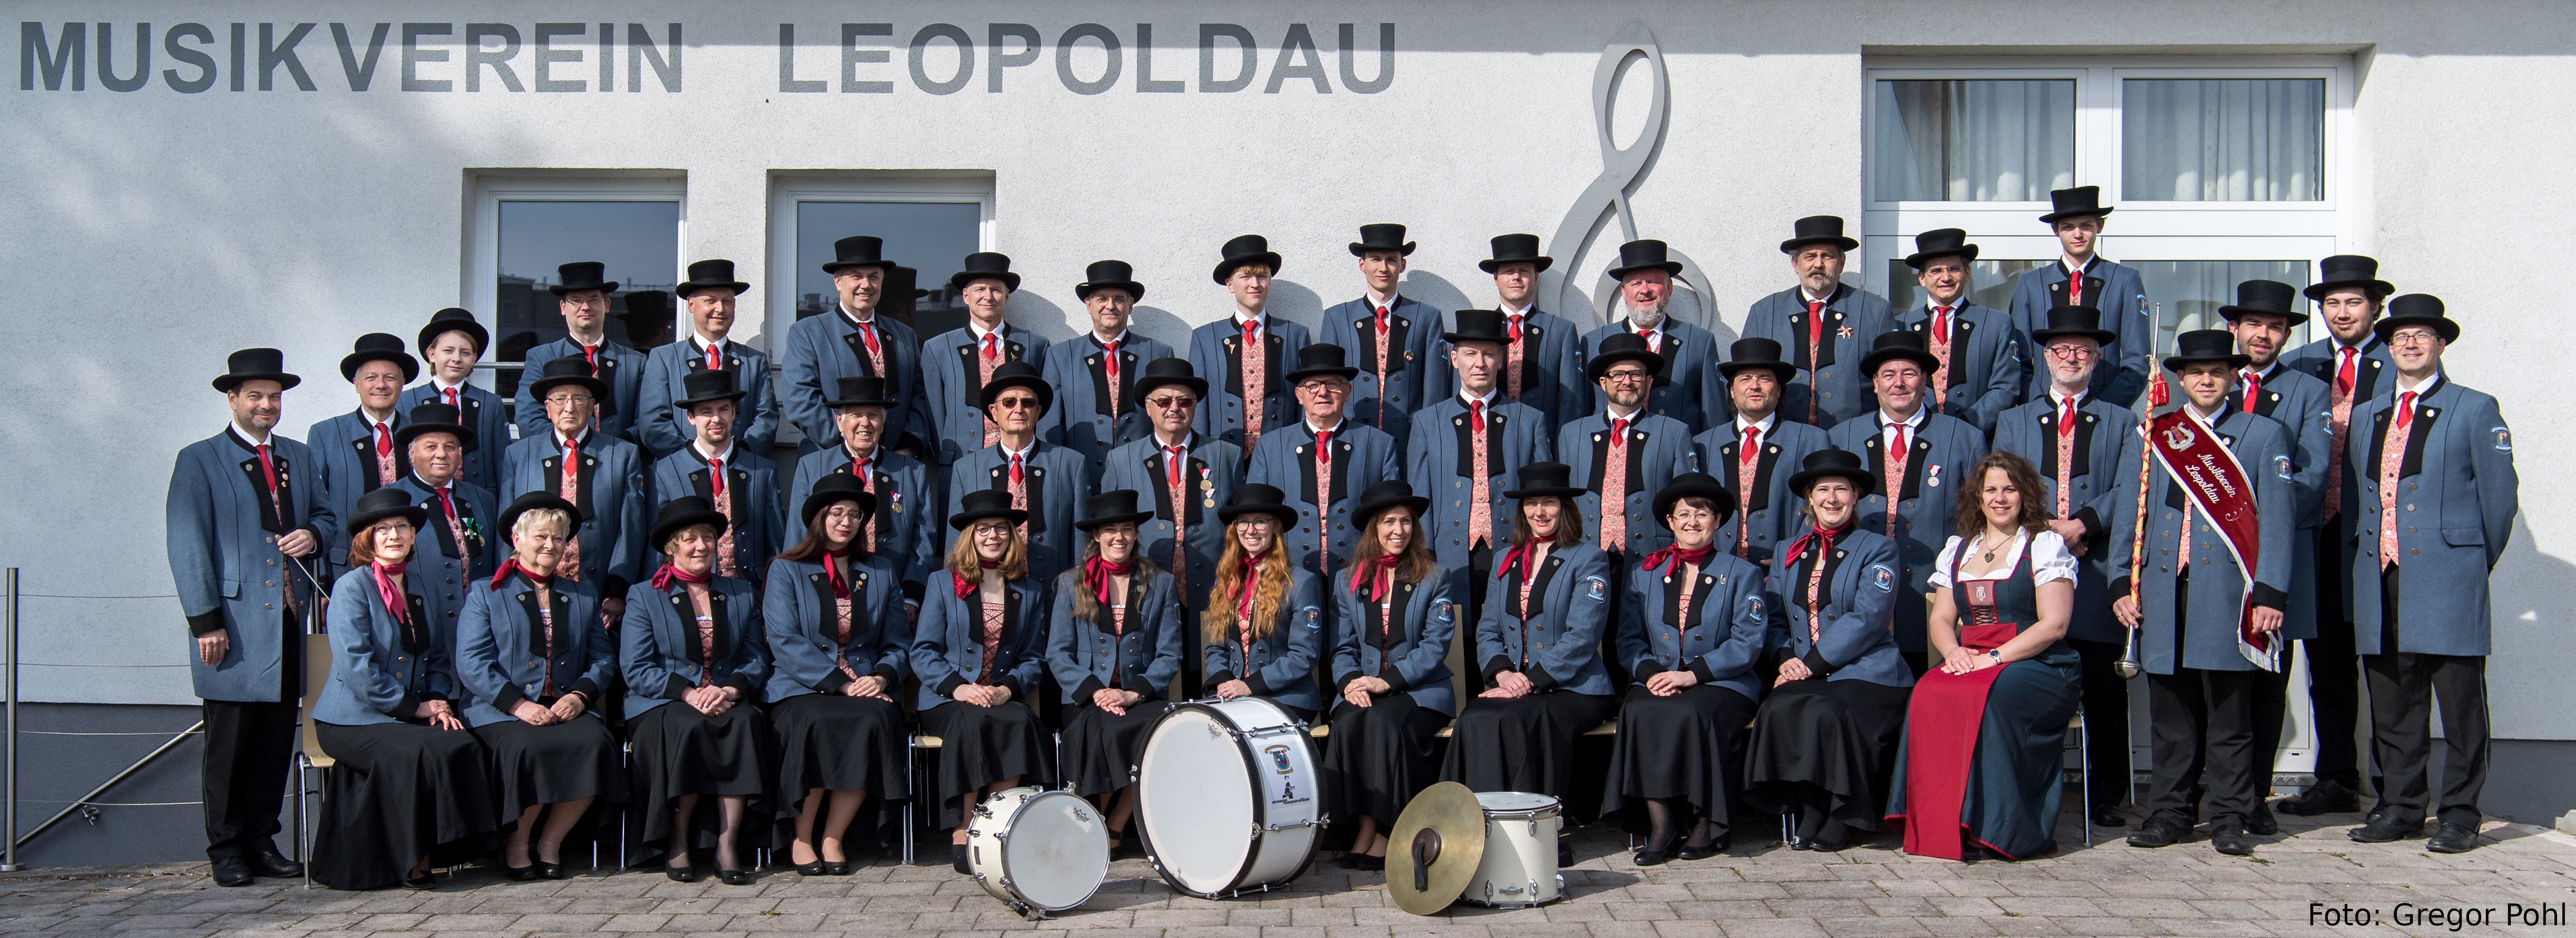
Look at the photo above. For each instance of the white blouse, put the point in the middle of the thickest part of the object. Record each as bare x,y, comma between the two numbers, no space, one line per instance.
2048,559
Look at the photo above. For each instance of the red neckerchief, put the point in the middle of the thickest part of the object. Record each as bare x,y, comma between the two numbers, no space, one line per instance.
1523,555
1251,578
1096,573
512,566
964,586
832,572
394,601
1375,574
662,578
1824,539
1697,556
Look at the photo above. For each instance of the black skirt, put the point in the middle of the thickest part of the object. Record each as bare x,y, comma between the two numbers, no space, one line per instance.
1839,736
837,743
1524,743
979,746
568,761
1687,747
1100,750
400,792
679,751
1379,757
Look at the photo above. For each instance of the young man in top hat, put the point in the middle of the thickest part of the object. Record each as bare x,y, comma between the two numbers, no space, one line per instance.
1049,482
238,519
1823,323
1756,452
900,529
1324,461
601,475
1185,477
710,292
1096,375
2433,513
2205,623
855,340
452,342
958,365
583,294
1392,335
648,326
717,466
354,453
2077,441
458,543
1247,394
2113,288
1688,388
1466,450
1543,365
1922,460
1621,454
1981,373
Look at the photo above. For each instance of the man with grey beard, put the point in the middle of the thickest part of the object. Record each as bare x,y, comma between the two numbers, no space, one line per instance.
1688,387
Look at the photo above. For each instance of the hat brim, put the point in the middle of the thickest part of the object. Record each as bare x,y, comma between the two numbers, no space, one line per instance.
836,267
367,519
598,389
1565,492
1135,291
1673,494
1785,371
2099,336
1302,374
859,402
2175,363
1197,385
568,290
2378,289
1036,385
1454,338
2445,326
1094,524
965,519
2231,312
1916,260
1862,479
1670,267
464,434
669,526
1225,268
349,364
2055,217
1362,248
530,502
686,403
1368,511
684,290
429,334
1869,363
820,500
1792,245
1491,264
1286,515
959,280
226,383
1600,364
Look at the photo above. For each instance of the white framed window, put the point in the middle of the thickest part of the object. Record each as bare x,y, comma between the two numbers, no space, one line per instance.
930,222
520,227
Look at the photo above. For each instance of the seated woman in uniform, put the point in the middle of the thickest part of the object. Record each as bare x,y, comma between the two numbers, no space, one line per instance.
1984,749
980,652
1392,624
533,656
1825,738
695,656
839,644
407,771
1264,624
1545,683
1691,628
1114,644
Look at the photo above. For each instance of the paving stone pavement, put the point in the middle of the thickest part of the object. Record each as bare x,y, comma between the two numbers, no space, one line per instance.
1758,889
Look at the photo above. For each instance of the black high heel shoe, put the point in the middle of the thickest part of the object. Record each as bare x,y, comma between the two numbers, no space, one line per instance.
733,877
425,882
518,874
686,873
547,870
836,868
816,868
1656,854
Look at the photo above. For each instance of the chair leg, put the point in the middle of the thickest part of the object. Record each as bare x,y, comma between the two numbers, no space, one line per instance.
2084,775
911,771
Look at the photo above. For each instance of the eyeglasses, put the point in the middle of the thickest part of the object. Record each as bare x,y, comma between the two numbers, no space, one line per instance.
2412,337
1170,402
566,400
1326,387
1017,403
2072,352
1627,376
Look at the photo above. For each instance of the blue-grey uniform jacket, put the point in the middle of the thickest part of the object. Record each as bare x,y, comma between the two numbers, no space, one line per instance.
380,670
1362,456
948,647
222,532
2304,407
1689,388
660,655
1144,655
2372,372
822,350
1057,487
802,622
1722,640
1208,476
1555,640
438,571
1854,318
2095,464
952,383
502,656
1081,419
1413,328
1552,374
1987,371
909,531
1216,354
1769,512
1658,450
757,524
1440,456
2115,289
2456,497
608,488
664,428
1281,665
1860,594
1409,649
484,413
621,367
1926,501
2203,636
344,453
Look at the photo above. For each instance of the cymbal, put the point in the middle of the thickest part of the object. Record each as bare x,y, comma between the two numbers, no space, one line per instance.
1446,825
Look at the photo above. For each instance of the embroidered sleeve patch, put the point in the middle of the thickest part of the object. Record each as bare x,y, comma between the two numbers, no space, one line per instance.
2503,440
1596,589
2281,466
1444,612
1312,617
1753,607
1882,578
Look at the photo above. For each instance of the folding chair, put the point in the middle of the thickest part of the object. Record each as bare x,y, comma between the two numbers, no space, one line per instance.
308,747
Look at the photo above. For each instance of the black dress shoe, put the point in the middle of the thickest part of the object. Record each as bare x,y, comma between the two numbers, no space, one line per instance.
2261,823
2160,832
810,869
957,859
275,865
1714,847
833,868
2323,798
426,882
1651,857
733,877
1349,860
232,871
2385,826
2109,816
1797,842
547,870
519,874
681,874
1370,864
2452,838
2230,839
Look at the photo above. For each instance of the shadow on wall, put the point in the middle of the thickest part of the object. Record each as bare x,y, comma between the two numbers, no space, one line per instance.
1032,311
1292,301
1427,287
1160,325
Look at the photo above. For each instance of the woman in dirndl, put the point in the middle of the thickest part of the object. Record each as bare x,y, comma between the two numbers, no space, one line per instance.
838,645
1978,774
1825,738
980,652
1392,624
1114,646
1264,624
695,656
533,657
411,789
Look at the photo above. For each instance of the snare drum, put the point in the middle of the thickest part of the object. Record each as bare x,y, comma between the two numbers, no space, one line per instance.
1519,866
1038,851
1225,797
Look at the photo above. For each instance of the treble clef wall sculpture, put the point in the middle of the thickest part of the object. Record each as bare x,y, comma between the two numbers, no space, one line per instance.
1620,169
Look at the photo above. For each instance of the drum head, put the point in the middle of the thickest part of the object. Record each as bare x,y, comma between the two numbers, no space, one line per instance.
1056,851
1513,802
1194,800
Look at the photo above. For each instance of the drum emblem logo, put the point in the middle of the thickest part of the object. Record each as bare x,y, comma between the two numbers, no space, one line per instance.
1279,760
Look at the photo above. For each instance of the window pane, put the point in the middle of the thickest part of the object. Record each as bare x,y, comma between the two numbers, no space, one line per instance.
2223,140
930,237
1990,283
2187,294
1979,140
639,241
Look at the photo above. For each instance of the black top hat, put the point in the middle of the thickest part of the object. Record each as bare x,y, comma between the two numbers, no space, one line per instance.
2205,345
2075,203
862,391
1756,352
1384,495
531,502
1258,498
1515,248
1245,249
2268,297
1009,375
1899,343
712,384
1941,242
1833,464
1112,274
1381,238
2413,309
685,512
582,275
453,319
1481,325
1693,485
1321,358
714,274
570,369
985,265
387,502
1116,506
647,306
1624,346
979,504
837,487
1543,479
1639,255
2349,270
858,251
379,347
2073,320
1163,371
1817,229
434,417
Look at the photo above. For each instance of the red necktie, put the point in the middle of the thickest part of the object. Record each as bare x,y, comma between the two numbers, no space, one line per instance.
715,360
1019,492
1748,463
1109,357
384,456
1893,471
451,402
1476,416
2253,389
591,353
1941,324
1613,535
1180,512
991,354
2342,424
1480,511
1512,368
1815,342
570,488
455,528
1941,353
1172,469
2075,287
1254,364
716,493
2066,460
1381,366
1324,498
715,480
868,481
2392,460
2344,376
268,469
868,334
1654,339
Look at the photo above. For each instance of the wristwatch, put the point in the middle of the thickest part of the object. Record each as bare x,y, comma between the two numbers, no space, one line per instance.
1997,654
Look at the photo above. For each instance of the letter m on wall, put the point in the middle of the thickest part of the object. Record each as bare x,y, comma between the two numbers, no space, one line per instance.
54,59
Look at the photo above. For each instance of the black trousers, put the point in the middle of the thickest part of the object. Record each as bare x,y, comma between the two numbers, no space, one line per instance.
2106,723
2203,735
2403,688
2334,680
249,747
1480,573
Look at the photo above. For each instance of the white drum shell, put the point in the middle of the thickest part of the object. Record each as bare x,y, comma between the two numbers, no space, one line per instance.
1518,869
1225,797
1038,849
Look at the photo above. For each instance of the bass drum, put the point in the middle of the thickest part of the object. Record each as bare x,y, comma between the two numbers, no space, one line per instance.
1225,797
1518,869
1038,851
